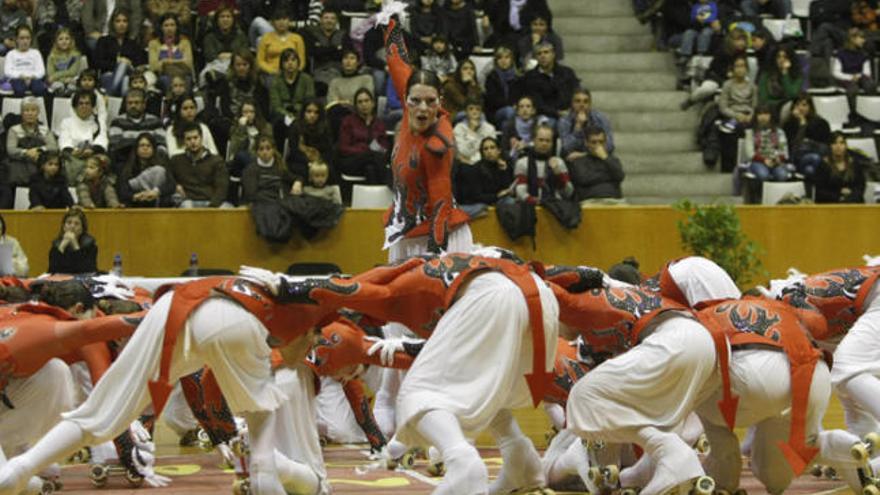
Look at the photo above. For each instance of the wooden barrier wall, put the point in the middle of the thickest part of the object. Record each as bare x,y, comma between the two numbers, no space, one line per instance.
159,242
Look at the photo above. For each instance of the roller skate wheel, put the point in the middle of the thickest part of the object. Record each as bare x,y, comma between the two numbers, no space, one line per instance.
629,491
241,487
704,485
860,452
238,447
436,469
58,485
873,441
871,490
816,470
48,488
203,440
408,460
829,472
391,464
611,475
98,474
134,479
595,475
702,446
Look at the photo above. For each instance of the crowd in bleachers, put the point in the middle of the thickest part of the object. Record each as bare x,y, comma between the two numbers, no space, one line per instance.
168,103
773,79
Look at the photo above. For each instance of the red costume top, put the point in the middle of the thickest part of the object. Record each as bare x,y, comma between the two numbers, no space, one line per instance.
421,164
416,293
574,359
838,295
610,320
36,333
754,321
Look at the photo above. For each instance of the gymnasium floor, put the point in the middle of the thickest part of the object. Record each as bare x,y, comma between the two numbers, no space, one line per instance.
350,472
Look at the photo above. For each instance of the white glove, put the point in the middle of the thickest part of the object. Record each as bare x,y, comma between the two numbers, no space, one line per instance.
387,347
142,437
266,278
111,286
611,283
144,462
389,9
226,454
871,260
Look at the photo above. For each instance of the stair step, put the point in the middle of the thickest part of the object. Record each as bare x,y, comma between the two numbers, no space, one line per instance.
628,81
657,163
614,62
653,121
608,43
642,101
590,7
702,200
654,142
572,25
678,185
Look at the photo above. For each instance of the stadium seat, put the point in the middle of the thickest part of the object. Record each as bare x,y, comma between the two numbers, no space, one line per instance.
370,197
872,192
801,8
867,145
61,109
22,200
13,105
834,109
772,192
114,106
868,107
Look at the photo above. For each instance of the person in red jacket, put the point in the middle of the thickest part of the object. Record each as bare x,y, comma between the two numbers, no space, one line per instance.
363,145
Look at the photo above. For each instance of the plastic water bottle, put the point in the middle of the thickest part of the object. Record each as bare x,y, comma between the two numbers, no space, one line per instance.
193,265
117,265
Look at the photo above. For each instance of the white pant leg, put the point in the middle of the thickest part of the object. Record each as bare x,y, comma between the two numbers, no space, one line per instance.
336,420
39,401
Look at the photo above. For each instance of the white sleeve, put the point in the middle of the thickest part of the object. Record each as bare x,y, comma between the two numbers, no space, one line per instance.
10,68
837,70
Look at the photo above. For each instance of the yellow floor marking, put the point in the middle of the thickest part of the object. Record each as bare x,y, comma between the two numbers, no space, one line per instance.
395,482
177,469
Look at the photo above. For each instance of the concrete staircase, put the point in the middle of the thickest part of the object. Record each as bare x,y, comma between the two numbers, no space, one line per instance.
635,86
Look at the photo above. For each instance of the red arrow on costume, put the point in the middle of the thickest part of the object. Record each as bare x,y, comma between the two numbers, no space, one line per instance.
539,379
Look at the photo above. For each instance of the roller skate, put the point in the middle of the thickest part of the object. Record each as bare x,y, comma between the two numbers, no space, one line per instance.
862,452
436,467
40,486
197,437
548,436
704,485
114,459
99,475
406,461
81,456
702,445
52,475
240,447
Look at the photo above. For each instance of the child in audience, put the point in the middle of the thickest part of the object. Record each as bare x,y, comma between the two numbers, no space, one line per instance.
704,25
470,132
243,142
64,64
767,147
317,187
24,66
439,59
851,66
178,88
48,187
154,99
97,187
88,81
266,178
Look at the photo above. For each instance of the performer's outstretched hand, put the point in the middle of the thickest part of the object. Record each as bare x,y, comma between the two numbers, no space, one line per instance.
389,9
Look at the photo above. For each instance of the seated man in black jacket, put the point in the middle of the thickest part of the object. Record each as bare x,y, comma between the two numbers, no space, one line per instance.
550,84
597,176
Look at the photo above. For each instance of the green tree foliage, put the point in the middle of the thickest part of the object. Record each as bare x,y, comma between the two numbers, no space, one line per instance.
714,232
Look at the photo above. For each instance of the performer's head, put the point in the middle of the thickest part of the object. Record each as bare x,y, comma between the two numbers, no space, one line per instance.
70,295
423,100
